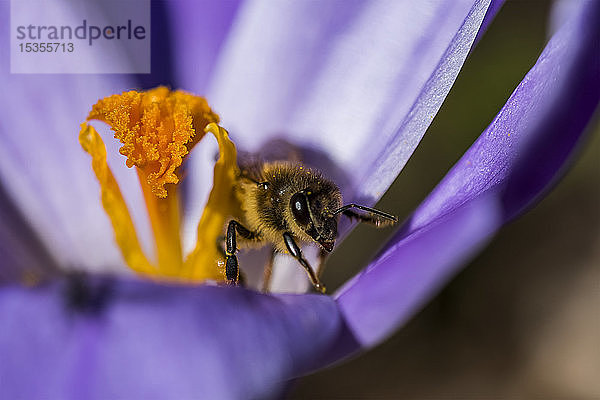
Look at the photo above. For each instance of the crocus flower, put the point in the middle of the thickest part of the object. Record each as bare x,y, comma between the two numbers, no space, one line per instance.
329,77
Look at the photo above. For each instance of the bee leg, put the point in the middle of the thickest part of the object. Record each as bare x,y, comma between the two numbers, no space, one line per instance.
295,251
268,272
232,270
322,257
223,253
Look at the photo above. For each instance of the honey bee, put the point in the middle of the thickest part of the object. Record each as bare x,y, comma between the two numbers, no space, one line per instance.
286,204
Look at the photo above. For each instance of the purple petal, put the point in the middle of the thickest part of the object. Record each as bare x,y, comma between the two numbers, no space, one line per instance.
512,162
336,75
198,30
22,254
43,168
102,339
387,293
534,132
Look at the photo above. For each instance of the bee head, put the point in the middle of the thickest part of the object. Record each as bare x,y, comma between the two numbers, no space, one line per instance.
313,213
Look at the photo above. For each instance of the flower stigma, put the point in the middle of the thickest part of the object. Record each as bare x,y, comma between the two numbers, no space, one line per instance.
157,129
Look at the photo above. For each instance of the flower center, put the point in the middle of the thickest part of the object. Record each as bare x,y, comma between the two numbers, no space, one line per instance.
157,129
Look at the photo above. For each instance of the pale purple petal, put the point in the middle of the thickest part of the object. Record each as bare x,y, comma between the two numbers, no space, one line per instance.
335,75
513,161
385,162
101,339
43,168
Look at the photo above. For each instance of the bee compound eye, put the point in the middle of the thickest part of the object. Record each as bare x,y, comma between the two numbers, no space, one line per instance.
299,207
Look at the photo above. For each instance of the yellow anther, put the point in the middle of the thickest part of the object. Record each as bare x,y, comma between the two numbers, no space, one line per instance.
157,128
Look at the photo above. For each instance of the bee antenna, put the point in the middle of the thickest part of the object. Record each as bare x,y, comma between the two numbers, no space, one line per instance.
367,209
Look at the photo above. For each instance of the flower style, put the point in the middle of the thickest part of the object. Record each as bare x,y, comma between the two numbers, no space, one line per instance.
102,336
